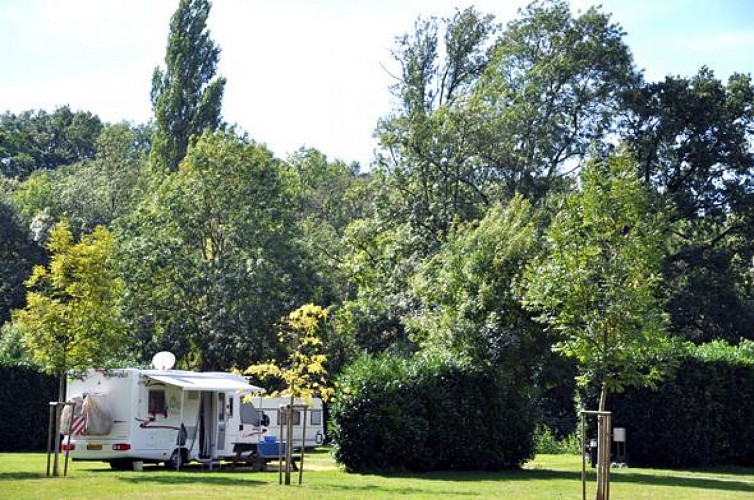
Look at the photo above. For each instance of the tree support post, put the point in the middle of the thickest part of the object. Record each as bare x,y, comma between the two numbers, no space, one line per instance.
604,419
53,438
303,447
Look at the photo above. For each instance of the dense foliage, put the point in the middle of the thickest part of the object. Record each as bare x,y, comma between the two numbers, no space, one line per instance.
429,413
212,251
18,254
532,195
597,284
700,416
25,394
38,140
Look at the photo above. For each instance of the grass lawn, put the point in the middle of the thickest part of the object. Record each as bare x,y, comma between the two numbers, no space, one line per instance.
22,475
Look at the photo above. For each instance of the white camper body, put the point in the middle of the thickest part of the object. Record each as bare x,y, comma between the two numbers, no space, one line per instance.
169,416
315,427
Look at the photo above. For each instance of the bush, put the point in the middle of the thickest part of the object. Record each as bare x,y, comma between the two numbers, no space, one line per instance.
701,416
429,413
25,394
546,441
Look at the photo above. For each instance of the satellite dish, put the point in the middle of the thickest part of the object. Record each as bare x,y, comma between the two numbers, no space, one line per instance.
163,360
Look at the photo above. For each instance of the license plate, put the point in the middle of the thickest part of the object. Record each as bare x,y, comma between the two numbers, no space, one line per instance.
94,447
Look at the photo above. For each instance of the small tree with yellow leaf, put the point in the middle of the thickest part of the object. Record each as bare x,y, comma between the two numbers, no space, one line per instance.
303,375
71,321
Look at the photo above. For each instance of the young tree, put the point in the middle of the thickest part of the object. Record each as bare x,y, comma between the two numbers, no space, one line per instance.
597,284
71,320
185,98
304,374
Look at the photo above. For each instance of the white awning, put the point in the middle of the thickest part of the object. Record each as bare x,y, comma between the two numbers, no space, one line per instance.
203,381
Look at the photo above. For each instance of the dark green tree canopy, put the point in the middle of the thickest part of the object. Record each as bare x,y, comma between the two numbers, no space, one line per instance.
692,137
486,113
185,98
211,257
18,254
38,140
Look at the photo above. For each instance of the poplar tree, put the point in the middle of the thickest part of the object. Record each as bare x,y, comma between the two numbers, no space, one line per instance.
186,96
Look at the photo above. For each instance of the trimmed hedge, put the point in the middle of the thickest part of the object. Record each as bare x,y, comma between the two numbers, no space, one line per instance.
702,416
423,414
25,395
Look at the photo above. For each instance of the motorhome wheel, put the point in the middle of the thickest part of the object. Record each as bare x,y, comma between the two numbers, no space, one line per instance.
176,460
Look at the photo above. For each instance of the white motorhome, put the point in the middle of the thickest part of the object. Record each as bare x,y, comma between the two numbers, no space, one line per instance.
315,427
172,416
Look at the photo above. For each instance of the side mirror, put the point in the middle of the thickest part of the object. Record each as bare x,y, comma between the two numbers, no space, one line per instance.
265,420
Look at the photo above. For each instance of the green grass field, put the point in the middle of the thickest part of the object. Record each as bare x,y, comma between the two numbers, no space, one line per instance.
22,475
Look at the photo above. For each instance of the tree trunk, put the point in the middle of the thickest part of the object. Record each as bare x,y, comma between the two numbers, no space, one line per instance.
603,397
58,410
61,387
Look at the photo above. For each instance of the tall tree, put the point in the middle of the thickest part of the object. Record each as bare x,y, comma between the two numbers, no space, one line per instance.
597,284
185,98
484,113
692,137
212,258
468,305
18,254
38,140
550,93
431,175
88,193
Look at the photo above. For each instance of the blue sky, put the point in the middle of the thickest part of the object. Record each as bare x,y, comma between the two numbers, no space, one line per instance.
305,72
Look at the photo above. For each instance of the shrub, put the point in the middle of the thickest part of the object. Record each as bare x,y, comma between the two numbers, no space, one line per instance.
429,413
25,394
701,416
546,441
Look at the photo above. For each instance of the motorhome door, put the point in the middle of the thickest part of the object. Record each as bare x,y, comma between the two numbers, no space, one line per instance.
220,421
207,422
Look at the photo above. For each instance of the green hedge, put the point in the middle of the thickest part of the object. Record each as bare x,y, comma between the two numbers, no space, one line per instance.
423,414
25,395
701,416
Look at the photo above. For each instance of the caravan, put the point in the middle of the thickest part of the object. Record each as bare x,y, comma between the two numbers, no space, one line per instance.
132,415
314,425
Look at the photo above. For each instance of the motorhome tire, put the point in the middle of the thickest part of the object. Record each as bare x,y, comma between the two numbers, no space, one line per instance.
121,464
176,460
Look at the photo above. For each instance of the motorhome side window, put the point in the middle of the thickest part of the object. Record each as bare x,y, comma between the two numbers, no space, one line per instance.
283,417
157,401
316,418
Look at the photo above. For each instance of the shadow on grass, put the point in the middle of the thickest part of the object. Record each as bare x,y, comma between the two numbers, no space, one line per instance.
639,478
705,483
20,476
357,490
464,476
178,479
193,473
